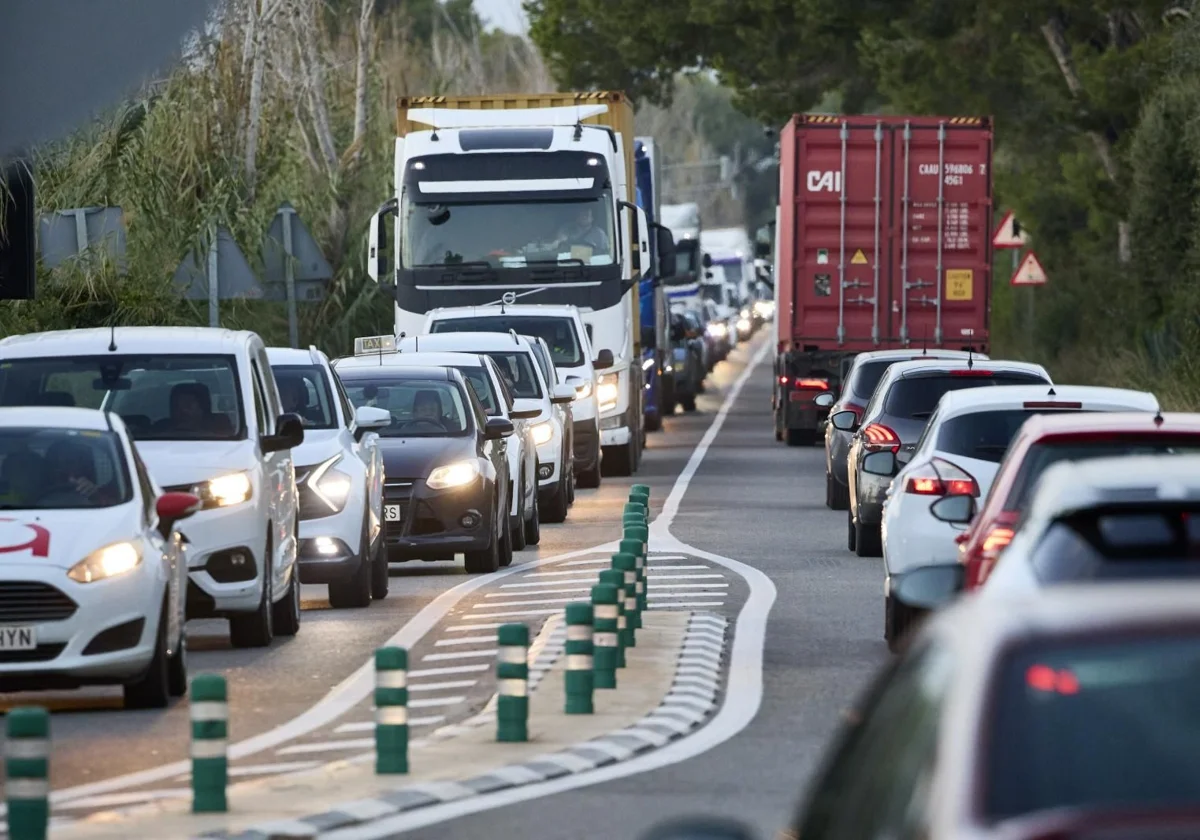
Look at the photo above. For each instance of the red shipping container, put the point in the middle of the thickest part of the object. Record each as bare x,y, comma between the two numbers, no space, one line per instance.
884,236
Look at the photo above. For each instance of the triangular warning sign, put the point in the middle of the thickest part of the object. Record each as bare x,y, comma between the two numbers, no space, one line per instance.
859,258
1009,234
1030,272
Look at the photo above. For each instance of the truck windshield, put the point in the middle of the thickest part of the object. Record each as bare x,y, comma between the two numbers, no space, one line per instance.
508,234
733,272
685,259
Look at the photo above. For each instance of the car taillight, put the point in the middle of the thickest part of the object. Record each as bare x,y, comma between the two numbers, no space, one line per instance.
880,436
996,540
970,372
819,384
783,380
941,478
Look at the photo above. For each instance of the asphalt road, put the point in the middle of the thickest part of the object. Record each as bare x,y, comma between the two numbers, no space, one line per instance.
760,502
95,740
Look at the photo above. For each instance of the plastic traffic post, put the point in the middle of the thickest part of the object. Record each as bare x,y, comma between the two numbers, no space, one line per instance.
391,710
638,549
626,564
27,766
604,639
210,737
636,507
512,680
578,678
615,579
640,490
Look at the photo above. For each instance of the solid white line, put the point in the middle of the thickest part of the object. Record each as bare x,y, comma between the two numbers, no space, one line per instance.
278,767
539,592
654,557
328,746
466,640
686,577
369,725
575,579
743,696
595,561
463,654
517,613
654,594
677,605
463,628
658,570
441,672
434,702
441,686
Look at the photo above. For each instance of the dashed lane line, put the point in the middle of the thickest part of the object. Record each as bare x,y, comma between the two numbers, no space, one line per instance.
464,654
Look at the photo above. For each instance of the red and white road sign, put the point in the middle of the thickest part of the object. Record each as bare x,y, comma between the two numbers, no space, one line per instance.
1009,234
1029,272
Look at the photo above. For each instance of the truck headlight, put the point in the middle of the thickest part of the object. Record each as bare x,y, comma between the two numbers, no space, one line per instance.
542,432
109,562
453,475
608,390
224,490
329,485
717,329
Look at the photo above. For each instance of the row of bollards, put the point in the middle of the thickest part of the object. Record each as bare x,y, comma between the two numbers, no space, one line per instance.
597,635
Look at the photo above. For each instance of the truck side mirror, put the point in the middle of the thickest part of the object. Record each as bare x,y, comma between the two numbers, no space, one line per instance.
706,261
666,252
378,265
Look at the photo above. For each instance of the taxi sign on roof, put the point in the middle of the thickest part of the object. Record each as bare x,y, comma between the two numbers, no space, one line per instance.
366,345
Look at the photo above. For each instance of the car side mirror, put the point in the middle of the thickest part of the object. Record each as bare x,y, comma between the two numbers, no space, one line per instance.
845,421
700,828
957,510
824,400
604,360
497,428
880,463
370,418
527,414
288,435
929,587
564,394
172,507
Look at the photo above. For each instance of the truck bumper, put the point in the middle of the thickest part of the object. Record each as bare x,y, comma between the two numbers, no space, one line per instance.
801,412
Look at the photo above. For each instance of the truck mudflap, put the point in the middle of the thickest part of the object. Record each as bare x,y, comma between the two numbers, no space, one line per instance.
799,377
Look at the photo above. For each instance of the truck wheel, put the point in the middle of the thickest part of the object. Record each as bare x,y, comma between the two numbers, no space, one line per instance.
801,437
689,403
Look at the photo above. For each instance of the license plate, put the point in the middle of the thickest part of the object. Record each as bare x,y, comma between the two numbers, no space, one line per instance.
18,638
393,513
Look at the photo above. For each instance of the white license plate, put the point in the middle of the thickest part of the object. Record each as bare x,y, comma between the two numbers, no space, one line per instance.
18,638
393,513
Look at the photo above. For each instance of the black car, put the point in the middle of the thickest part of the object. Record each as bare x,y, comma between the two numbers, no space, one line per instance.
687,338
446,485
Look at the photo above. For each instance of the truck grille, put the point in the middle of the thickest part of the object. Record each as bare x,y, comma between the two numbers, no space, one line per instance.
23,602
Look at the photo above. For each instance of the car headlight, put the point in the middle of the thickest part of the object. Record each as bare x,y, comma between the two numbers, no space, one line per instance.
582,392
453,475
542,432
745,313
743,324
608,390
109,562
329,485
717,329
224,490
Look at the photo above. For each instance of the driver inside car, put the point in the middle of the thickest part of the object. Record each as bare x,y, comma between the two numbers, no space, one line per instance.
583,230
427,407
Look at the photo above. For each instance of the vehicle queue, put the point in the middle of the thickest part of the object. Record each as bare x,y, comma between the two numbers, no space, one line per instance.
221,474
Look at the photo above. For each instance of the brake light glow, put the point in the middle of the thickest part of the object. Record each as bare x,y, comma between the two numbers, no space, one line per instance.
970,372
783,380
1045,678
1052,404
878,434
942,478
819,384
856,408
997,540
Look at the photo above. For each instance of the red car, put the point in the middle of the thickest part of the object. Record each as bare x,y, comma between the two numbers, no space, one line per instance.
1047,439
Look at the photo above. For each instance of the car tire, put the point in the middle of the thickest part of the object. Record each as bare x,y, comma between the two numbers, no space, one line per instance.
256,629
177,670
355,591
653,421
800,437
897,621
152,690
689,403
487,560
287,609
380,571
506,548
837,495
517,535
571,487
554,504
591,478
619,460
851,531
533,527
868,541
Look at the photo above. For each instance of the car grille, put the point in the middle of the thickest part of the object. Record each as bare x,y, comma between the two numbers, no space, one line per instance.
42,653
397,492
24,602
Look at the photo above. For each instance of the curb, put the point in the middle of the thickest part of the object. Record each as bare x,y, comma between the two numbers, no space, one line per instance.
692,698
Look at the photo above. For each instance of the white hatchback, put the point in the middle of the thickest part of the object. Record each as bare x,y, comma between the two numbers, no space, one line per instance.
204,409
93,574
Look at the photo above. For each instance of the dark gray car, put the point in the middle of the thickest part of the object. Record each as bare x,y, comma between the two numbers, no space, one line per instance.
866,371
894,419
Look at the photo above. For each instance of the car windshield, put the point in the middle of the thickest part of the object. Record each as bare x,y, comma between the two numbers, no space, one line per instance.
916,397
517,370
57,469
559,333
1105,724
304,390
509,234
481,383
1041,456
419,407
160,397
985,435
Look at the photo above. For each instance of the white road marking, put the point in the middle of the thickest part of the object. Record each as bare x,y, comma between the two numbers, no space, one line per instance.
549,582
328,746
434,702
691,586
654,594
686,577
573,591
534,603
518,613
595,561
369,725
278,767
118,799
657,570
440,686
743,695
462,628
442,672
462,654
676,605
466,640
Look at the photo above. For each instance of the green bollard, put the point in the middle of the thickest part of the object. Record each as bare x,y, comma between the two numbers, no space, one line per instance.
613,578
391,711
578,678
638,549
636,507
642,534
210,736
627,565
605,640
27,767
512,680
640,489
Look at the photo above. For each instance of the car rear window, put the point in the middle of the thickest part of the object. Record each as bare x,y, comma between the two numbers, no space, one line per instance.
1108,723
1043,455
866,378
916,397
985,435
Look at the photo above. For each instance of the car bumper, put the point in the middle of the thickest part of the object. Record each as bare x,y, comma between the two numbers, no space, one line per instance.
912,538
330,546
432,526
549,460
587,444
115,621
220,583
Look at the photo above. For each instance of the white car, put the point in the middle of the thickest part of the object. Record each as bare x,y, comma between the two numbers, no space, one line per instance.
1114,519
521,449
93,574
515,358
958,454
569,341
565,416
339,480
203,407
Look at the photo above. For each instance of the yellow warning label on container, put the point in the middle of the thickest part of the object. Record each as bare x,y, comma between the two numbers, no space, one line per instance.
960,284
859,258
